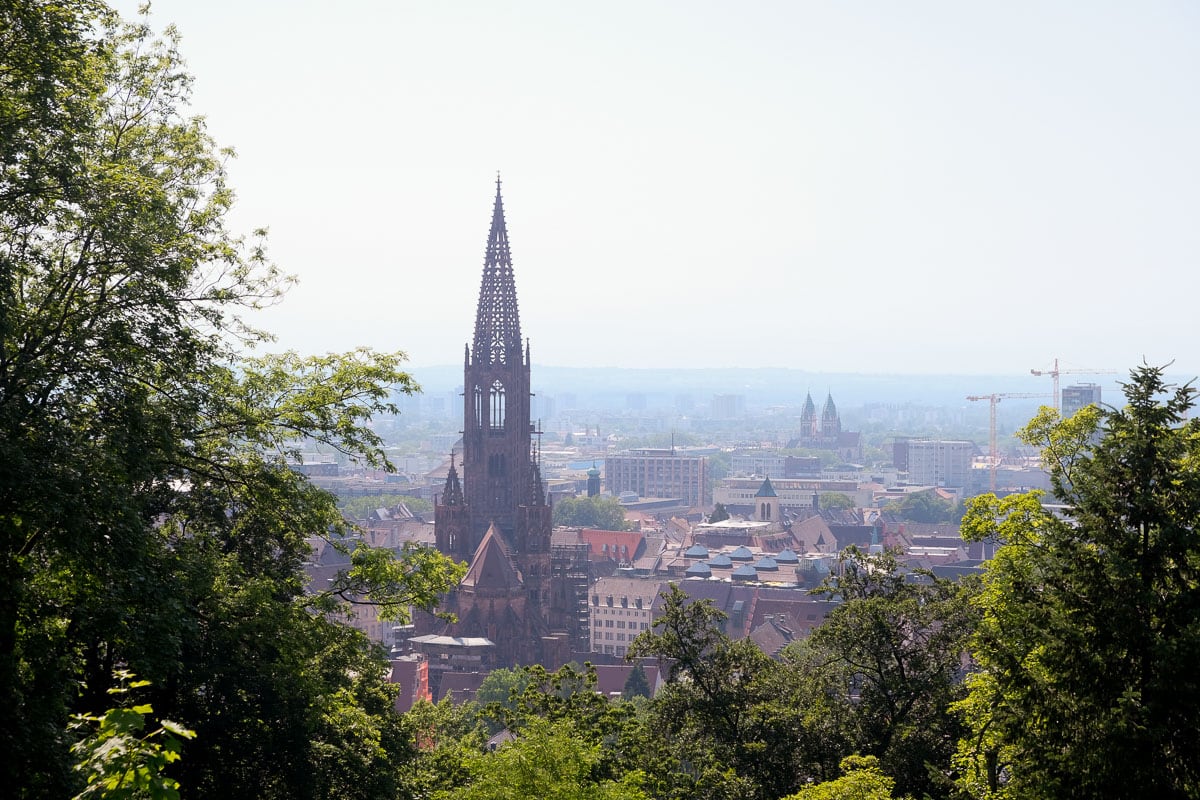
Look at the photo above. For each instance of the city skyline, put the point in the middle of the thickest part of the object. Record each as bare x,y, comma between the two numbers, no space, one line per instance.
930,189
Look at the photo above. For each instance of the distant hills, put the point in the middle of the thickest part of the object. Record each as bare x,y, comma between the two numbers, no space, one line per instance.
613,386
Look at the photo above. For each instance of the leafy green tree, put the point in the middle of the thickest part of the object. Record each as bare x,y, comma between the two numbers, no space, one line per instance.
835,500
118,758
891,655
636,685
547,759
357,508
603,513
148,520
863,780
924,507
1086,682
719,513
447,735
502,687
718,707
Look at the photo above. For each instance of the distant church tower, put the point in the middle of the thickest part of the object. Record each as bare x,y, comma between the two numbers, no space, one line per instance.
499,512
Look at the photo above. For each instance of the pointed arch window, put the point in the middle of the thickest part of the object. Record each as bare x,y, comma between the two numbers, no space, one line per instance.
497,416
478,404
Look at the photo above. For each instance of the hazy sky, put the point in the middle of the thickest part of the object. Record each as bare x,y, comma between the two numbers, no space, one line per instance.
853,187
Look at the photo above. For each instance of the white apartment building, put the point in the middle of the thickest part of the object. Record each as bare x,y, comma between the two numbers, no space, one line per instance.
619,609
936,462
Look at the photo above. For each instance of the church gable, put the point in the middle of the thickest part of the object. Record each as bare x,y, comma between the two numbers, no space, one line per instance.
491,567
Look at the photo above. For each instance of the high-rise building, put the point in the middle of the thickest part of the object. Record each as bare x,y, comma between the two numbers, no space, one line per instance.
662,472
935,462
497,518
728,406
1077,396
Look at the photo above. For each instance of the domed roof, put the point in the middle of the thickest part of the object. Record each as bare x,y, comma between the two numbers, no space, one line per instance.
720,560
593,472
742,554
696,551
745,573
787,556
767,564
698,570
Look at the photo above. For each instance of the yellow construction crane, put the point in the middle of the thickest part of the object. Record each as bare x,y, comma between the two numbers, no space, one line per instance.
1055,372
993,399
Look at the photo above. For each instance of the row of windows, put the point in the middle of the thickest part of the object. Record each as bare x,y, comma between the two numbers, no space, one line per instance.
621,612
633,626
620,636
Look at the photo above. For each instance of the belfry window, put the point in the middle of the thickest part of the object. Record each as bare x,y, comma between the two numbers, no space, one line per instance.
478,406
497,417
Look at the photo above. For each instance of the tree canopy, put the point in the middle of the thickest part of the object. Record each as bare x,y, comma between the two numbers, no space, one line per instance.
924,507
148,520
603,513
835,500
1090,633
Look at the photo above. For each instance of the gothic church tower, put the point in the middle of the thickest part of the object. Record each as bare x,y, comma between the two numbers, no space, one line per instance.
499,511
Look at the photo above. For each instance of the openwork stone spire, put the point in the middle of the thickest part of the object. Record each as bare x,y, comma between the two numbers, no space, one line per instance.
452,494
497,323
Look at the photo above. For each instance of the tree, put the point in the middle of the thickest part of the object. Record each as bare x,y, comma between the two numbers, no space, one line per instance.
1086,682
718,467
719,513
603,513
447,735
148,520
923,507
835,500
504,688
636,685
546,760
863,780
119,759
359,507
728,734
891,656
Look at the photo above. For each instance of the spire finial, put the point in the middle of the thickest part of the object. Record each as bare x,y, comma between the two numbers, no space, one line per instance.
497,323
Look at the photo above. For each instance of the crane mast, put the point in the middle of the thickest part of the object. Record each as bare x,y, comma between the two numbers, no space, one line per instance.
993,399
1055,371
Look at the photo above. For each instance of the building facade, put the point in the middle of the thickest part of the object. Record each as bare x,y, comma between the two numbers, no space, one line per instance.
659,473
1078,396
795,494
935,462
620,609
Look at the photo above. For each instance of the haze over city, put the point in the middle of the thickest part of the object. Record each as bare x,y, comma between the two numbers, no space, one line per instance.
933,188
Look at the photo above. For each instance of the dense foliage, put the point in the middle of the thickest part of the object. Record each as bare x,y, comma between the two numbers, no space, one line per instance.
1087,651
357,508
148,521
731,722
603,513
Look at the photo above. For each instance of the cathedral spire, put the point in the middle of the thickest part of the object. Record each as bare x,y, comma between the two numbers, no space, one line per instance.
452,494
497,323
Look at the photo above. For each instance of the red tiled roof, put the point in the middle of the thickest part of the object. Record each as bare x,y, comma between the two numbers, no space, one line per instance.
613,545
